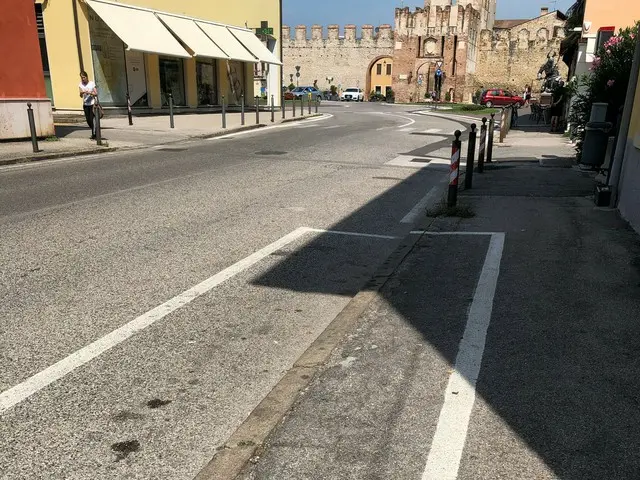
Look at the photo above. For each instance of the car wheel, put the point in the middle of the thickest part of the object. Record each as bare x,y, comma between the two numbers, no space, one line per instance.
489,104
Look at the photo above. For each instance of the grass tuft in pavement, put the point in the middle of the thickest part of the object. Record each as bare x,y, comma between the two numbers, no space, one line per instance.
444,210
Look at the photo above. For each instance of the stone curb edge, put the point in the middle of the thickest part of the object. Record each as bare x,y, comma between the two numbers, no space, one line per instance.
249,438
100,150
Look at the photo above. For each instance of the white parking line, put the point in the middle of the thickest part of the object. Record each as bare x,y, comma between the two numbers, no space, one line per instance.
421,207
11,397
448,442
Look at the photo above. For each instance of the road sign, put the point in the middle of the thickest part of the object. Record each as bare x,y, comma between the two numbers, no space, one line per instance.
439,64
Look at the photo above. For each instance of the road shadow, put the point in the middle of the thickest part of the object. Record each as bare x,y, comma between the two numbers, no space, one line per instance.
562,367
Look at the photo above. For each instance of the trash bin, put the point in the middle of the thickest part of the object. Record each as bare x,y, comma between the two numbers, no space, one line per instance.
596,139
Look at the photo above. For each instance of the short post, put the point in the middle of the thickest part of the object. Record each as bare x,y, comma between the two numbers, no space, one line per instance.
309,103
242,109
483,144
32,128
294,106
454,173
257,110
471,153
317,103
273,109
302,105
96,123
282,107
129,109
492,126
171,124
224,113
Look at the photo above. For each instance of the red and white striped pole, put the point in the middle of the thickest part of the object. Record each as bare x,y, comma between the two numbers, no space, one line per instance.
454,174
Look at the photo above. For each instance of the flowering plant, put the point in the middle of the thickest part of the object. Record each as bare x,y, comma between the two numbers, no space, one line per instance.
608,81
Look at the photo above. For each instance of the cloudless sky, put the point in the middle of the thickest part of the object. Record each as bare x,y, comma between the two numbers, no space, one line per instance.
378,12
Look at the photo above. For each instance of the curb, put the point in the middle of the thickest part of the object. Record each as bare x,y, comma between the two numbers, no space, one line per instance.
249,438
98,150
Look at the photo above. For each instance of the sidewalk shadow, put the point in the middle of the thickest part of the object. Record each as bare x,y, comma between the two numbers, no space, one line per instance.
63,131
581,425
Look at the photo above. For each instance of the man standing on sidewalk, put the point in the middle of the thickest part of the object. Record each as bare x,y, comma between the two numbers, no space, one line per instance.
88,93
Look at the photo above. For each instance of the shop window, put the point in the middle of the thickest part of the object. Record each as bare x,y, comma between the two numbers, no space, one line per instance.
207,83
109,66
235,73
172,81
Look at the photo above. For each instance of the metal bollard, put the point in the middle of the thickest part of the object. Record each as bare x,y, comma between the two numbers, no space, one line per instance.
282,107
129,109
483,145
273,109
454,173
242,109
294,106
309,103
32,128
302,105
171,124
96,124
471,153
224,113
257,110
492,126
317,103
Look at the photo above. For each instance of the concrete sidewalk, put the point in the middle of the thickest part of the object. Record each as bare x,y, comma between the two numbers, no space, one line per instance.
556,338
74,138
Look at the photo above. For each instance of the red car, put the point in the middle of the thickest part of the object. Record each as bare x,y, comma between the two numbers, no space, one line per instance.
497,97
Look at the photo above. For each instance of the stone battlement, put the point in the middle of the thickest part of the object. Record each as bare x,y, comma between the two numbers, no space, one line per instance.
368,35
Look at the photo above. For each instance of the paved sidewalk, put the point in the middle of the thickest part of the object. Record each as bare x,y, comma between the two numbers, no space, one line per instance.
73,138
557,392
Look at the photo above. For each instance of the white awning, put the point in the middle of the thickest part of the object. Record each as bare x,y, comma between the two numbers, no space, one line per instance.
255,46
192,36
223,38
139,29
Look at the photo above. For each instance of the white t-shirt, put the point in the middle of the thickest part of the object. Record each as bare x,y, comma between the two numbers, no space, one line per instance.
87,98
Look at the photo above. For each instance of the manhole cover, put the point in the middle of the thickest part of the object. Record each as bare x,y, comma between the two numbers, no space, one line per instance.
270,152
421,160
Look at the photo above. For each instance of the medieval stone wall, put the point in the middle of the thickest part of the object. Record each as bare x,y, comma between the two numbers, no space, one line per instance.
345,58
510,58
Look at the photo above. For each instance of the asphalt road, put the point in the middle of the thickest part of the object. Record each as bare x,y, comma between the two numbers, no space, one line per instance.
145,305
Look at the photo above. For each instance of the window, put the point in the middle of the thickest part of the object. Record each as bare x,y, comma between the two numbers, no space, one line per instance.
378,89
172,80
207,82
379,69
388,69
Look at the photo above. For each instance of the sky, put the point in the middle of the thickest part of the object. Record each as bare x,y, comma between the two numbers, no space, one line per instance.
378,12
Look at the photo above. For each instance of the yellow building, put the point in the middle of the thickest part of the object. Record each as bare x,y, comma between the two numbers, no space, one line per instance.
379,76
197,51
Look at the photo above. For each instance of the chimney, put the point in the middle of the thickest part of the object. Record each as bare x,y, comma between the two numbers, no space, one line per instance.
544,11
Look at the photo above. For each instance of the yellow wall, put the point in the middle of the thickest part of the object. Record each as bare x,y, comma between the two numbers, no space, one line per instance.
601,13
63,56
383,80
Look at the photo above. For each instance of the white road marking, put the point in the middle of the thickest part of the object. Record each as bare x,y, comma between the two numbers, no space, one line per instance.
433,130
448,443
407,129
422,232
421,206
325,116
406,161
18,393
331,126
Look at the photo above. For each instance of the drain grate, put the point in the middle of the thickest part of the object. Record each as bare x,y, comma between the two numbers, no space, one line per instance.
270,152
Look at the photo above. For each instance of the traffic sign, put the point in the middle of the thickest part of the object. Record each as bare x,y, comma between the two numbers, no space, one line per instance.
439,64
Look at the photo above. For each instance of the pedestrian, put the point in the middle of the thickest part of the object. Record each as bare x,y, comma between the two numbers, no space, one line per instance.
527,95
89,94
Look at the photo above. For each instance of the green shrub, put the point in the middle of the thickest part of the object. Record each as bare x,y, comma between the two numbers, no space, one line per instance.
471,107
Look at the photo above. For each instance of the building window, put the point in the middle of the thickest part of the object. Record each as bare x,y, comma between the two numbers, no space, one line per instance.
207,82
379,69
378,89
43,52
172,81
388,69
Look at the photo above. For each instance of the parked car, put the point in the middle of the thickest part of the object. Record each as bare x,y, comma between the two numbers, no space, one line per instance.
352,94
497,97
305,91
289,95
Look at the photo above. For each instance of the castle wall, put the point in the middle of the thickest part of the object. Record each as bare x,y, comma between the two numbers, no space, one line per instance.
345,58
511,58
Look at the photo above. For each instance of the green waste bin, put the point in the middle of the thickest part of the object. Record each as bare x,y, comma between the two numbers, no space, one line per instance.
596,140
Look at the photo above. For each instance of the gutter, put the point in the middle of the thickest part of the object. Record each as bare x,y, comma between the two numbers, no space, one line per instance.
621,145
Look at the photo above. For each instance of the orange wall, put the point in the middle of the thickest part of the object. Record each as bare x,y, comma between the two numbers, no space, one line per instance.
21,70
603,13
